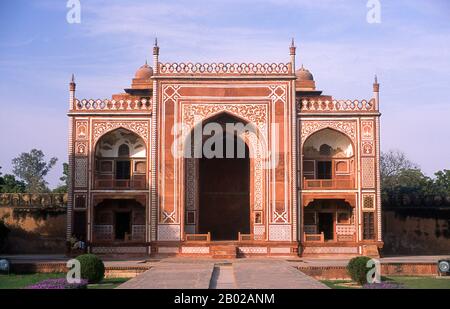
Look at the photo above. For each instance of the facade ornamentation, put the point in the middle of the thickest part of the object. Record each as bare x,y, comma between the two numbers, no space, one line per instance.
139,127
309,183
308,127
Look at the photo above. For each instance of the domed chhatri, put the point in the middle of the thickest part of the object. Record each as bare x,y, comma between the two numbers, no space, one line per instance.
304,74
305,80
144,72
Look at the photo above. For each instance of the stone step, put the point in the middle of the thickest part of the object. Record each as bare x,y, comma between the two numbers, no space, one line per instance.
223,251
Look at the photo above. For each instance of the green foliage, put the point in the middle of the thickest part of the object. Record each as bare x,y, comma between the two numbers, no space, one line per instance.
357,269
32,168
92,268
442,182
9,184
404,184
62,188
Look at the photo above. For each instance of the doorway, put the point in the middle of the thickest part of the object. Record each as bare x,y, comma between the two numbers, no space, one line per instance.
224,196
122,225
123,170
326,225
324,170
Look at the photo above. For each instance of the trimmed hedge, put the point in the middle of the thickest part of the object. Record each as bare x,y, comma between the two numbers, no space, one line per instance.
92,268
357,269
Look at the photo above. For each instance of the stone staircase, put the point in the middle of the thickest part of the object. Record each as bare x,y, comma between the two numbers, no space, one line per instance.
228,251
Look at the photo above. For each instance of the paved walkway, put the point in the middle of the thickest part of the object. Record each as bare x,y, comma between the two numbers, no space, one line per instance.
267,274
168,275
242,274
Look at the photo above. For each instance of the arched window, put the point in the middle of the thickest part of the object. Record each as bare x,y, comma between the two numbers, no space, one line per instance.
325,150
124,151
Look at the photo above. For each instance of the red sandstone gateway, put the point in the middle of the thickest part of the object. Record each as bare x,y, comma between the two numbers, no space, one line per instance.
319,194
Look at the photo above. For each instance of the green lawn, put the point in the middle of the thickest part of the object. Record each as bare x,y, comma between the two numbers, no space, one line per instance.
422,282
110,283
14,281
407,281
337,284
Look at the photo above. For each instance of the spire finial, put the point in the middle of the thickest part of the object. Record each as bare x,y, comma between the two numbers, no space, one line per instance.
292,48
376,86
146,61
156,47
72,83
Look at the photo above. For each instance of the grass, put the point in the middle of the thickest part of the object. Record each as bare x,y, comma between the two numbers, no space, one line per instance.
108,283
336,284
16,281
408,281
421,282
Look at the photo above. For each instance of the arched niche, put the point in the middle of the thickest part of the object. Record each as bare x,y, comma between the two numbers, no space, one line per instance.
120,159
328,160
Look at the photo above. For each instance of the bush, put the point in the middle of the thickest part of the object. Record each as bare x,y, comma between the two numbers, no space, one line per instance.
58,284
92,268
358,270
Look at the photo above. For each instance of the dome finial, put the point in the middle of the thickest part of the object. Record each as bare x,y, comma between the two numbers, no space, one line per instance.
292,42
73,78
376,79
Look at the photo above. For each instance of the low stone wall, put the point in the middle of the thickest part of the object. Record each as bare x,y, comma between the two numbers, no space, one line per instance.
416,231
398,269
34,230
110,271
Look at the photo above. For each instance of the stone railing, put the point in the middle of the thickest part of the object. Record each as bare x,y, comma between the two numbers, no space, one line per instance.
336,106
33,200
224,68
90,105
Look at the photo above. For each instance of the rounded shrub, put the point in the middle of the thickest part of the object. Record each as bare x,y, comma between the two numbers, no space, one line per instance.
92,268
357,269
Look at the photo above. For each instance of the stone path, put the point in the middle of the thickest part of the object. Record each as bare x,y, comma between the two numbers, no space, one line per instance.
173,276
203,274
266,274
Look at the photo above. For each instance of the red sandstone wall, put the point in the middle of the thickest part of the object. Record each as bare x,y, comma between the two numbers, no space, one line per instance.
34,232
416,231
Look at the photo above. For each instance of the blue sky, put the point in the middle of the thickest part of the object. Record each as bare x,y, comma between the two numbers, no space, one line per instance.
409,51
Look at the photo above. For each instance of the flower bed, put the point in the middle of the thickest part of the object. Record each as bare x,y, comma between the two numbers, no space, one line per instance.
58,284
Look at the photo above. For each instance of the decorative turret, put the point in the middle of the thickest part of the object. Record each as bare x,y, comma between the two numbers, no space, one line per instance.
155,56
376,92
72,87
292,49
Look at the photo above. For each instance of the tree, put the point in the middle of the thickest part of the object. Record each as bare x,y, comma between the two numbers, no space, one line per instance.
441,183
391,165
32,168
10,184
62,188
